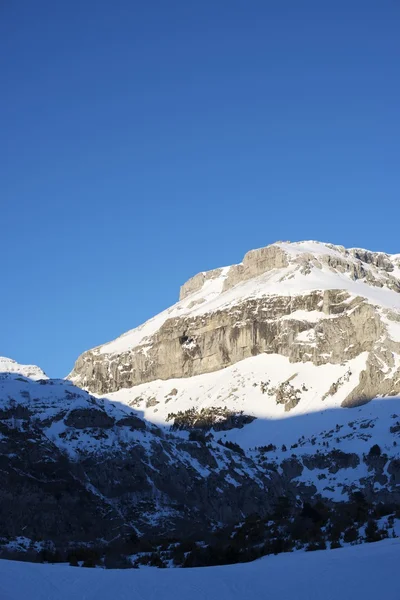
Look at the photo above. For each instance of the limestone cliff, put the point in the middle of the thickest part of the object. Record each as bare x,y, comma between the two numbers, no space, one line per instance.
309,302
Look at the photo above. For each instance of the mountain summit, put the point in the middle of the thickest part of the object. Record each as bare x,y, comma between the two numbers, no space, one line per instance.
327,313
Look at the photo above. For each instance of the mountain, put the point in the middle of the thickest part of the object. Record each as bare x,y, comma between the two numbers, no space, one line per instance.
88,476
79,469
296,330
257,415
7,365
310,303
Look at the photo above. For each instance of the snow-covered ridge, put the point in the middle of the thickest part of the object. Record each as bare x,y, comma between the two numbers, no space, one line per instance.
9,366
130,466
285,269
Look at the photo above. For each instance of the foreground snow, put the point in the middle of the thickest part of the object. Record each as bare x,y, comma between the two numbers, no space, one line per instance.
368,572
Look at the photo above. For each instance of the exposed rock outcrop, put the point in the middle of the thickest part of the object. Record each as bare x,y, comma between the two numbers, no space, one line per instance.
309,302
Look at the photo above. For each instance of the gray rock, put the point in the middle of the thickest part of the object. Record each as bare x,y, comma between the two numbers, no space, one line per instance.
191,345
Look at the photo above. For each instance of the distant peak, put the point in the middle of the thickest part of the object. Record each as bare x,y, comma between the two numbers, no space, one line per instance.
8,365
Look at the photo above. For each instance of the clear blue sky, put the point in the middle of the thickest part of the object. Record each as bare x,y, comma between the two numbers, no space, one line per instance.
144,141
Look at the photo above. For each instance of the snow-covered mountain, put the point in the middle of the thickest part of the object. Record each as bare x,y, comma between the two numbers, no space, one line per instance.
76,468
308,304
9,366
270,387
288,441
297,330
285,340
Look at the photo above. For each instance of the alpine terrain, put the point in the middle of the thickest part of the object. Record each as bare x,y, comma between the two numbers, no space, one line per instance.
258,415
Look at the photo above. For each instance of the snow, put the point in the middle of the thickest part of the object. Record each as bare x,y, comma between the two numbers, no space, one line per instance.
318,424
308,247
287,281
367,571
311,316
53,399
308,337
248,386
237,388
232,481
314,425
7,365
393,329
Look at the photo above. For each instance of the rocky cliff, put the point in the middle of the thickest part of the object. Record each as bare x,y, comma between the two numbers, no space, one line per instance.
309,302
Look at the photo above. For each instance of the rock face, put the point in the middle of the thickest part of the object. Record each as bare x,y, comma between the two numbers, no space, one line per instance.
75,468
309,302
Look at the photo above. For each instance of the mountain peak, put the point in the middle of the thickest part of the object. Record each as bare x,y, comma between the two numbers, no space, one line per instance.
10,366
295,256
310,302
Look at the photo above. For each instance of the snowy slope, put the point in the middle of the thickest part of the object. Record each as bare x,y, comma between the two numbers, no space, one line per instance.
313,426
7,365
96,456
239,388
52,401
369,572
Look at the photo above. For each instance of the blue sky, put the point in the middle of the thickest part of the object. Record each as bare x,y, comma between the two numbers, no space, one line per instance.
143,142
